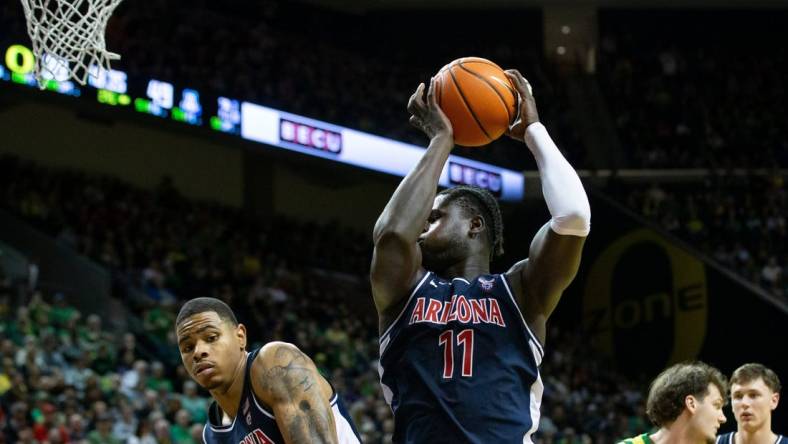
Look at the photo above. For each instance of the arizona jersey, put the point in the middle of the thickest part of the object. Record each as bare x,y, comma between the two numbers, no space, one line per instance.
460,365
730,438
255,425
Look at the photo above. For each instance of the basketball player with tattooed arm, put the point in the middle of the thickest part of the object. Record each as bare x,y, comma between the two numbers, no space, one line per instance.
271,395
460,347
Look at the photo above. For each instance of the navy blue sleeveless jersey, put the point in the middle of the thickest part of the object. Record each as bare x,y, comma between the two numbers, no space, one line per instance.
730,438
253,424
460,365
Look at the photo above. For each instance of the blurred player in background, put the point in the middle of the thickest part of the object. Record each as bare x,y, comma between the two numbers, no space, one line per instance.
272,395
685,401
461,347
755,393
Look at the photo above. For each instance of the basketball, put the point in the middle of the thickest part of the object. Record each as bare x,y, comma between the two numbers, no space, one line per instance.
478,99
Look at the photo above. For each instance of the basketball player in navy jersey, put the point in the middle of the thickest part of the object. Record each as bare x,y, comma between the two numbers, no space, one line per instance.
755,393
272,395
461,347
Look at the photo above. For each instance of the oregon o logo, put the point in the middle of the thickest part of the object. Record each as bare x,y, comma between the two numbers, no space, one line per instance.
19,59
645,302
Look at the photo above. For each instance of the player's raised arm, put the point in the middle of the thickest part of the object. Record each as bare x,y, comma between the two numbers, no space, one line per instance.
288,382
396,261
554,256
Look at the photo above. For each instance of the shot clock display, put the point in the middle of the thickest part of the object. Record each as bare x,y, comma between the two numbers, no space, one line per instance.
253,122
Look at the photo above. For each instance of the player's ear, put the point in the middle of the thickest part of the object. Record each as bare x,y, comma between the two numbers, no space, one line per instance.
477,225
691,403
775,399
240,335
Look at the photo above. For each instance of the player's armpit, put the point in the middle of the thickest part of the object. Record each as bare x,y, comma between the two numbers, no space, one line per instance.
553,261
539,281
287,381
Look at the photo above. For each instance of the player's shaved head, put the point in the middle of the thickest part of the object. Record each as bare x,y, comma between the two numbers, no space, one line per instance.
202,305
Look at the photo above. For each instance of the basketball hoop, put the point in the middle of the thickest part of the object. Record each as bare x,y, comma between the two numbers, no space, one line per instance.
68,37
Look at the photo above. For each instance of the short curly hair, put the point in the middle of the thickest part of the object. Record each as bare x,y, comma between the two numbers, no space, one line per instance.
477,201
668,390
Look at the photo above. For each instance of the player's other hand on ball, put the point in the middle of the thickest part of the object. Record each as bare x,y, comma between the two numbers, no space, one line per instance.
426,115
528,113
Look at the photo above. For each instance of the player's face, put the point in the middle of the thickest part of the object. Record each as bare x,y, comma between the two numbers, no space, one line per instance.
753,403
210,348
708,416
444,240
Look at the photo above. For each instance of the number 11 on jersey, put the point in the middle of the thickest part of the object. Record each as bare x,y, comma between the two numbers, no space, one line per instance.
464,340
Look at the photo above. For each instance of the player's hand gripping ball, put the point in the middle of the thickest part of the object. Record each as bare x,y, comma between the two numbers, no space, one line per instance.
478,98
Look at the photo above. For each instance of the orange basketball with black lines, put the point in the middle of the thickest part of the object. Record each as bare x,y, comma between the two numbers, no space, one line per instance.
478,99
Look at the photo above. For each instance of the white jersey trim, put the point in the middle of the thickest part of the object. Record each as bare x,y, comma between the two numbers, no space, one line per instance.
259,407
527,328
537,390
345,434
221,429
730,438
405,307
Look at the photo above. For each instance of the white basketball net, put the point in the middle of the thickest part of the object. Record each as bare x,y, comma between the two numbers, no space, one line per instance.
68,37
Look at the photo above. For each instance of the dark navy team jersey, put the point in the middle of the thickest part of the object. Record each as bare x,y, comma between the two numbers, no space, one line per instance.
460,365
730,438
253,424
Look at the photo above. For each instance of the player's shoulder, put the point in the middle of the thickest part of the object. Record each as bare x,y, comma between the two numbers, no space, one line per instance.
514,276
274,366
515,272
640,439
518,267
277,353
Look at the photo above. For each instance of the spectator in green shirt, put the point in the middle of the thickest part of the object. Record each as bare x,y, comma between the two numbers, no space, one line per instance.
61,312
103,433
157,322
180,430
196,405
158,381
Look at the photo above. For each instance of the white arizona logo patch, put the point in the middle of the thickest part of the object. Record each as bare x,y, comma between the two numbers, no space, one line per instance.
487,285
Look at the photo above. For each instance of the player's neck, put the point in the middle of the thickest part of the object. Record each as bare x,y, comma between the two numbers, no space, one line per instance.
763,435
677,433
229,397
468,268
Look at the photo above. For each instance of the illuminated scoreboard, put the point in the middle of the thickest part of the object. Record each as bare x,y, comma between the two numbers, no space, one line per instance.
113,87
253,122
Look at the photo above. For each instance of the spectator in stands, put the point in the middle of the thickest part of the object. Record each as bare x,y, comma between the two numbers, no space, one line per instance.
738,221
180,430
103,431
143,434
196,406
